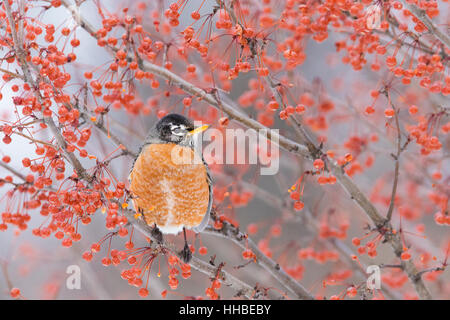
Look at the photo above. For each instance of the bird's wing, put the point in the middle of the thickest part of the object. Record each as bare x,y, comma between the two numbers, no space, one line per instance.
148,140
205,220
134,161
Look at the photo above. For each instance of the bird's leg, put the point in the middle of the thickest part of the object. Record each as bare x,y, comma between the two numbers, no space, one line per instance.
156,233
186,252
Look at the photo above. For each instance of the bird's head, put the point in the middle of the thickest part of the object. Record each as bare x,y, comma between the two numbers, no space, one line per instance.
178,129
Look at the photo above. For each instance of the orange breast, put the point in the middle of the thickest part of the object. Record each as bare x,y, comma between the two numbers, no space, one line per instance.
169,192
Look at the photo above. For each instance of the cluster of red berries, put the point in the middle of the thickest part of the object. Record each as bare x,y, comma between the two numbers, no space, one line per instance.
394,279
18,219
172,14
441,218
321,257
326,231
248,254
240,199
423,137
370,247
211,291
338,278
296,271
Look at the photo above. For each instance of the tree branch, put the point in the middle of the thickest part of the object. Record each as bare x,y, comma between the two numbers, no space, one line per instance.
396,159
422,16
12,170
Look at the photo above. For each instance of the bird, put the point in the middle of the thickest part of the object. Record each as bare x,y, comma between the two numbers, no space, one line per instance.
170,194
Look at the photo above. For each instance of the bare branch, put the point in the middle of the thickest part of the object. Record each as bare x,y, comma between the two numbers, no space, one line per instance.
12,170
396,159
422,16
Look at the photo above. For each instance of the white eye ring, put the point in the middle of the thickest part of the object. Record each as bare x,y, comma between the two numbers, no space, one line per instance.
178,130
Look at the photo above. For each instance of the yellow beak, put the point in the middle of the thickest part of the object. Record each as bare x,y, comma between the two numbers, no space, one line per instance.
198,129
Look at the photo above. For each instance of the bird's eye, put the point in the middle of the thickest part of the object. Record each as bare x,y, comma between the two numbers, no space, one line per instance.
178,131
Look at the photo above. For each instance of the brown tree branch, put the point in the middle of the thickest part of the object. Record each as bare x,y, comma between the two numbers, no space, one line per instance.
397,163
4,268
422,16
13,171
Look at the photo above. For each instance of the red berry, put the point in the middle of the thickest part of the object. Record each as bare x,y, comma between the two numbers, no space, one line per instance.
299,205
318,164
87,256
143,292
15,293
405,255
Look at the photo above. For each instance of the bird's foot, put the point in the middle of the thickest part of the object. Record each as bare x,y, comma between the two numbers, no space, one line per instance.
157,234
186,253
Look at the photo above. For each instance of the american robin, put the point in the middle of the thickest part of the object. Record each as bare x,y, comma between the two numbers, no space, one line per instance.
170,194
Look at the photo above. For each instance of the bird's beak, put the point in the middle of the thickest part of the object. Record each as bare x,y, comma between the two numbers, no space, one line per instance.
198,129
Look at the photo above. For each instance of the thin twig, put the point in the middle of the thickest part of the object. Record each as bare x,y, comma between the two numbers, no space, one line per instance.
12,170
396,159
